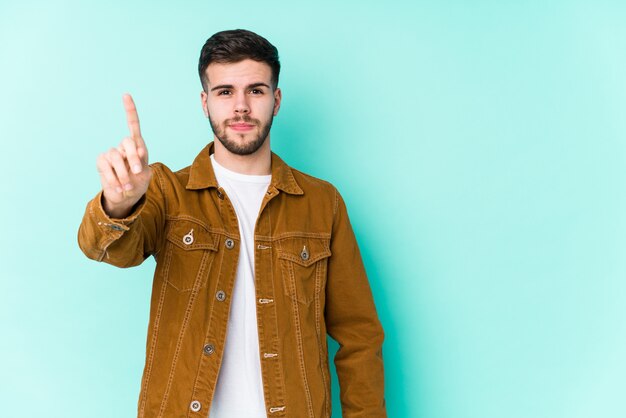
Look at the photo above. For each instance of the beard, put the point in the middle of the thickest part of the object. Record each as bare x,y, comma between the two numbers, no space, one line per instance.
246,148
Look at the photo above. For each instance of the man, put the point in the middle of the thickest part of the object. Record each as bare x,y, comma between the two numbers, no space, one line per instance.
255,261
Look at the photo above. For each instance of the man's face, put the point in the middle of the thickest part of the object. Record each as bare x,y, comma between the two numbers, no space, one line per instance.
240,104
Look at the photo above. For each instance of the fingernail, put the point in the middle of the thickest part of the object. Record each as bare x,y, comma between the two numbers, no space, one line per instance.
118,189
136,169
128,186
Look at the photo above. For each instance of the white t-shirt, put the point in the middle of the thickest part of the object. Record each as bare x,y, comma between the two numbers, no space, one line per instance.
239,390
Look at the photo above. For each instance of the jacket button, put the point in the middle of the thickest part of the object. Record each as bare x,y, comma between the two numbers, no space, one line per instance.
220,194
188,239
230,243
209,349
304,254
195,406
220,295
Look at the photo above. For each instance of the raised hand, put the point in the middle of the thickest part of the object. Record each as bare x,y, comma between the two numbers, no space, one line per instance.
124,171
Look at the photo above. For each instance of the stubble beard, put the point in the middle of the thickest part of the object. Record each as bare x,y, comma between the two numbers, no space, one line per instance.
246,148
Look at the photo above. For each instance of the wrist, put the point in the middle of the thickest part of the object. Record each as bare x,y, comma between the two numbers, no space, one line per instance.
117,210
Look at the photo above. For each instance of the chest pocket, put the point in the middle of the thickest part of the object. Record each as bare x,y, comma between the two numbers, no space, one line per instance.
191,250
303,263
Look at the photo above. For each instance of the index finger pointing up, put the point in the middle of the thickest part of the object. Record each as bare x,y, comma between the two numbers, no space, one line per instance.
131,117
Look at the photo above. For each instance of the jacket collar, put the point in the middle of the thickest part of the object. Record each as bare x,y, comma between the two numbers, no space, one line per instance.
202,176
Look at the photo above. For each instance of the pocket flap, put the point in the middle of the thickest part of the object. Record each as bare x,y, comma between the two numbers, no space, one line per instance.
304,250
190,235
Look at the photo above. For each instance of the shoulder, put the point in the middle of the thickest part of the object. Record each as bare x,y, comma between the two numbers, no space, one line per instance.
164,174
317,188
312,183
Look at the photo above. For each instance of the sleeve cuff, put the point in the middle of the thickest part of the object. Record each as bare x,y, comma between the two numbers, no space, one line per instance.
115,224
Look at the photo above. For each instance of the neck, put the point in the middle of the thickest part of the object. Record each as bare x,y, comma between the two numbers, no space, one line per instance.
259,163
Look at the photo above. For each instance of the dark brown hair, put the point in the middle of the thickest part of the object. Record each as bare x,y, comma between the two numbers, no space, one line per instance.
232,46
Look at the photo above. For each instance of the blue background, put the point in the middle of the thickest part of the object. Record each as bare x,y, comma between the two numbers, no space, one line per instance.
479,146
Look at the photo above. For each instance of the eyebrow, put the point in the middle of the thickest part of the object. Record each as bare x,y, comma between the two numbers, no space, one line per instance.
230,86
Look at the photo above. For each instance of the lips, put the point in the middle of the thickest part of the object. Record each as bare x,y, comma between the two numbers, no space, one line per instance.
241,126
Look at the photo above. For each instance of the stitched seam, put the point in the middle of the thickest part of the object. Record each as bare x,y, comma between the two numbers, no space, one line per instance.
176,287
224,331
297,234
157,320
159,245
104,248
162,187
222,336
208,244
261,330
298,259
195,384
198,221
285,278
280,362
299,343
318,285
192,299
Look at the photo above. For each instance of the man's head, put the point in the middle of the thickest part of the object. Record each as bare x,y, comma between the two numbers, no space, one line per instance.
232,46
239,74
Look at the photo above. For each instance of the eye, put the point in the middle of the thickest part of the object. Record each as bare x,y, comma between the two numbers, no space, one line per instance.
223,92
256,91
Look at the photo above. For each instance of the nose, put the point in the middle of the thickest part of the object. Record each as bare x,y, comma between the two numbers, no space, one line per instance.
241,105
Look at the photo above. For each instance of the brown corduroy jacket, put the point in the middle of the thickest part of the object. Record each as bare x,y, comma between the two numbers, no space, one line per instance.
309,279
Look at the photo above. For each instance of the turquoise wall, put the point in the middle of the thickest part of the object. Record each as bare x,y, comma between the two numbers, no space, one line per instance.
479,146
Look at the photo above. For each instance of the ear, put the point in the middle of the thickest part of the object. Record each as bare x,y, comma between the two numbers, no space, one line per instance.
278,97
205,106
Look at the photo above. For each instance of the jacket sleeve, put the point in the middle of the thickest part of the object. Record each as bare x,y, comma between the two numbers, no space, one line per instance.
352,321
129,241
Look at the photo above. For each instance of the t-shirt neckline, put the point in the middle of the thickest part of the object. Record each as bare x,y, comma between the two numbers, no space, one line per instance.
250,178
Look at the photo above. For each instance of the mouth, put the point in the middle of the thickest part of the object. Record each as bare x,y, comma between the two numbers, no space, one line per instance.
240,126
